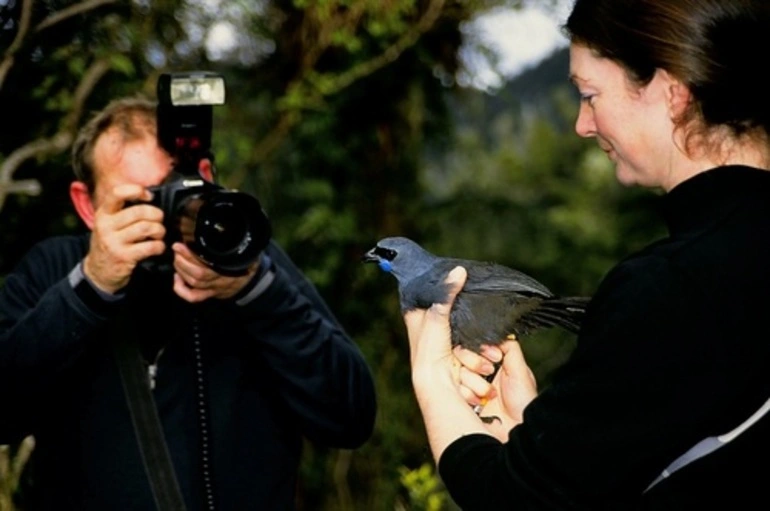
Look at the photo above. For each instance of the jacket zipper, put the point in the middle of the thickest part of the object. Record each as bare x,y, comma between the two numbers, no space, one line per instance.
152,369
203,418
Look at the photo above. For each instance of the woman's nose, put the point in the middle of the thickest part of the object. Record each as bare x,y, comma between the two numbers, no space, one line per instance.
585,125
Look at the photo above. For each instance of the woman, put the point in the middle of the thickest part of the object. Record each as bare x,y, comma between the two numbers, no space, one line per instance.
661,405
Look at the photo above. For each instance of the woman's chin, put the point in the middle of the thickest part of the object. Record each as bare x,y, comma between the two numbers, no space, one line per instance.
624,177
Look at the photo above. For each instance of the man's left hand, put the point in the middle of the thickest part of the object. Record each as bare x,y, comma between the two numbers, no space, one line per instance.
194,281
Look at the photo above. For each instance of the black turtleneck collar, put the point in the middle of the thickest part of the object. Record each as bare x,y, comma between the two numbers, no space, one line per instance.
709,196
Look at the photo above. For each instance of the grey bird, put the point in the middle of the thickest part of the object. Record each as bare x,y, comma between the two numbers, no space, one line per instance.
495,303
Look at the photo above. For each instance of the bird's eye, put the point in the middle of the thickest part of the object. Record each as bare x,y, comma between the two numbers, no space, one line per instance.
385,253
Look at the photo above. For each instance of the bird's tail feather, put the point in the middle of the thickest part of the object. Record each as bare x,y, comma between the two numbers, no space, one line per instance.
566,312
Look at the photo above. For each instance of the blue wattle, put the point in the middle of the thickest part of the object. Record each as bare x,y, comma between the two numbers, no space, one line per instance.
386,266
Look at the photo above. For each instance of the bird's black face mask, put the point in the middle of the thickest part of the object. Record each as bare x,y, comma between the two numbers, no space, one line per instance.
382,256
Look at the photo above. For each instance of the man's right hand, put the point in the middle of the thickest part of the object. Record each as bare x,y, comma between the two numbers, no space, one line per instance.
122,237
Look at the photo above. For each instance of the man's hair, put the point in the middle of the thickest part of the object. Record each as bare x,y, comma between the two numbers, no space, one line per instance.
133,117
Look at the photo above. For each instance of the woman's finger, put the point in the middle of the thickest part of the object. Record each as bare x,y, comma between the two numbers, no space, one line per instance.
480,390
473,361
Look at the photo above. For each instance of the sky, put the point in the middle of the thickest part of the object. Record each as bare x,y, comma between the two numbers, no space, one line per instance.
520,38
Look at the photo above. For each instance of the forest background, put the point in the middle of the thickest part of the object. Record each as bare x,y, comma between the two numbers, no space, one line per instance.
350,120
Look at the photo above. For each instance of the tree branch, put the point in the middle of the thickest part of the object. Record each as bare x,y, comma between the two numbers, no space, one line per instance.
289,117
57,143
53,19
24,20
72,10
391,53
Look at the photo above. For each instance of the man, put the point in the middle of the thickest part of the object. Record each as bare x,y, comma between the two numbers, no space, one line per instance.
241,368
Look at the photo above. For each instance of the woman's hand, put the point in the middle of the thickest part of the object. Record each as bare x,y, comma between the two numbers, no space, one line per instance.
512,389
475,372
430,339
445,388
436,373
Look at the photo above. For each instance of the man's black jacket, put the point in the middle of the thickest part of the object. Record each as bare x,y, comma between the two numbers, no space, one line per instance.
276,367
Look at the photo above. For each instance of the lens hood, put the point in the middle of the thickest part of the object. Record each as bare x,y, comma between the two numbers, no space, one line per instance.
231,230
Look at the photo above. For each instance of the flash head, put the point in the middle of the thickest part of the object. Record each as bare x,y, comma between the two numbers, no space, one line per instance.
191,89
185,115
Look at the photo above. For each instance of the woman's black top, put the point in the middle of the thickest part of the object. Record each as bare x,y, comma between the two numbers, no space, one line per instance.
675,350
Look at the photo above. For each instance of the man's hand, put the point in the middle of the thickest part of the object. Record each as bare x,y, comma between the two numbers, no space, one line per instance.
194,281
122,237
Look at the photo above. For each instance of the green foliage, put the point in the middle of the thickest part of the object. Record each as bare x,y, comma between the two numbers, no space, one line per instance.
13,460
426,492
344,146
551,203
122,64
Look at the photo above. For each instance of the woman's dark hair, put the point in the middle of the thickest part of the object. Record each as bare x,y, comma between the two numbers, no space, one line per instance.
718,48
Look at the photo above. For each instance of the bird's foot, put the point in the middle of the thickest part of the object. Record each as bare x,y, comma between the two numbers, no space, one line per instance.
490,419
486,420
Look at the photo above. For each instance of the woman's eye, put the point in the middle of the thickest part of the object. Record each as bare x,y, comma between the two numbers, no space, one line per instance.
587,98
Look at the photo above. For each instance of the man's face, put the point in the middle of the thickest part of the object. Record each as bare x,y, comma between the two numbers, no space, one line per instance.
116,161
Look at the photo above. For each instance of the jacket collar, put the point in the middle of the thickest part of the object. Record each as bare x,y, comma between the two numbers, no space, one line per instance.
709,196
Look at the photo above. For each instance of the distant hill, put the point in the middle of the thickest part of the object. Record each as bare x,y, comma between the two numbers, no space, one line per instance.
530,92
536,83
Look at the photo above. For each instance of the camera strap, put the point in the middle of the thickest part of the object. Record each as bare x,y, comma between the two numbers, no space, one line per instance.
147,425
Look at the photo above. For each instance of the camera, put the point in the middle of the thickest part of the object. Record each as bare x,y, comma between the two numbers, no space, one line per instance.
226,229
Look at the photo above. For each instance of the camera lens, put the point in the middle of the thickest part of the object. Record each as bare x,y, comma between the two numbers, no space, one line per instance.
223,230
231,230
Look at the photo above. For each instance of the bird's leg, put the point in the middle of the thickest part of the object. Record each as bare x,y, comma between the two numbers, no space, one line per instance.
477,409
490,378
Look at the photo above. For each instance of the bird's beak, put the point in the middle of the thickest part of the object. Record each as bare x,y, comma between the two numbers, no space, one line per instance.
370,257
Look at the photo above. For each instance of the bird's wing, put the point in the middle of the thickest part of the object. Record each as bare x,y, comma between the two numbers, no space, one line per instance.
424,290
493,278
489,318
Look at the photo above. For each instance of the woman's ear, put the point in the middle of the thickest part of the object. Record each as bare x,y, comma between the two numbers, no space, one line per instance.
81,199
678,95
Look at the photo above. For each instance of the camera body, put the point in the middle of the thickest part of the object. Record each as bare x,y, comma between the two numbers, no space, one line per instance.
225,228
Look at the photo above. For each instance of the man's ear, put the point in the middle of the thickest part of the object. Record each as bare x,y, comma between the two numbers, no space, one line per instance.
206,169
81,199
